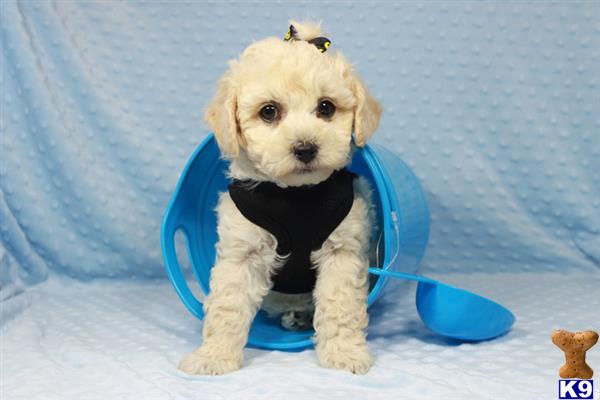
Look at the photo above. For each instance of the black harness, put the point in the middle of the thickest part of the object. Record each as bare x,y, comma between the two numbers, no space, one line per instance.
301,218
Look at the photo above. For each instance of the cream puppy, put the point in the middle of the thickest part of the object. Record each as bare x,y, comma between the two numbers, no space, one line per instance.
285,113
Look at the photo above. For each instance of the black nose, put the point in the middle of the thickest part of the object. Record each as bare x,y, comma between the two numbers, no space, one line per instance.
305,152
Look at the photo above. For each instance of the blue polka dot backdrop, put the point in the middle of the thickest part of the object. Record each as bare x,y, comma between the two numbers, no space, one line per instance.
495,106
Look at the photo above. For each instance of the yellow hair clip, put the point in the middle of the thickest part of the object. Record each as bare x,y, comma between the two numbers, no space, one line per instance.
321,43
291,34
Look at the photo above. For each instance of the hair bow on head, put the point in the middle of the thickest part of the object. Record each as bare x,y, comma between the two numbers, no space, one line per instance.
321,43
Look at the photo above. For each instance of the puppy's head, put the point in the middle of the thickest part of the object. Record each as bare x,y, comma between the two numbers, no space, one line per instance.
286,112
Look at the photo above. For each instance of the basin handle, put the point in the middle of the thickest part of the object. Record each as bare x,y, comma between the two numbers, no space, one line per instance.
175,272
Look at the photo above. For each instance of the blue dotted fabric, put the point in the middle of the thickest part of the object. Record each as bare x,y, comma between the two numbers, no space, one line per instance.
495,106
110,339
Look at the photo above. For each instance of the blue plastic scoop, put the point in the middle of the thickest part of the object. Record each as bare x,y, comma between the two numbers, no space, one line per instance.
455,312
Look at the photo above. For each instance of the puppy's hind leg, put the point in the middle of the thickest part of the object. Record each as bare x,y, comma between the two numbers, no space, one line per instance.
297,320
296,310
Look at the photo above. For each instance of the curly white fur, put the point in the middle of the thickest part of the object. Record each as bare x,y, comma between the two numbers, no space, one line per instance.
295,76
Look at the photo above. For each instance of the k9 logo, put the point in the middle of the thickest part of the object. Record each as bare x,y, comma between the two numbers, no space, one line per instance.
575,389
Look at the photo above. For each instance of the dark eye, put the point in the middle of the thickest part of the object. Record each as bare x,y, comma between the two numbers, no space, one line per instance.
325,109
269,113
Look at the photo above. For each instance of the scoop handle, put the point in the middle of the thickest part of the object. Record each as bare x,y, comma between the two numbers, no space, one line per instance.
175,272
401,275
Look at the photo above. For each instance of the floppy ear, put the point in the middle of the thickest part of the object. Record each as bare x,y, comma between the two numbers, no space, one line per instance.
366,114
221,117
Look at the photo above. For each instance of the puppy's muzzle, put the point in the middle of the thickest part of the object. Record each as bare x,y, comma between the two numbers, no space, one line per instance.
305,151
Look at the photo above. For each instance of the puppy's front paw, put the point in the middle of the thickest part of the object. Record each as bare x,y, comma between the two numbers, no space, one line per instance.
209,361
346,354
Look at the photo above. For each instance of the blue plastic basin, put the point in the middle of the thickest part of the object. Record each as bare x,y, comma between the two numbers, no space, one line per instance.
401,210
